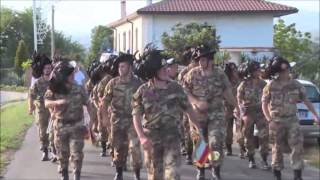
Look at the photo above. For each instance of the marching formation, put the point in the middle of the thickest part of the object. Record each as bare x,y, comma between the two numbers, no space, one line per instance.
147,109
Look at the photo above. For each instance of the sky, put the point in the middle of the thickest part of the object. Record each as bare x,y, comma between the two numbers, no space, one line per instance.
76,18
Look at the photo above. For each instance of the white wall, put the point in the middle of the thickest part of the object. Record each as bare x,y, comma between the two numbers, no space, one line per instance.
126,27
235,30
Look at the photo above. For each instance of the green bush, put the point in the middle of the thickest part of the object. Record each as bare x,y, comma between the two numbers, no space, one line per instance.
12,78
13,88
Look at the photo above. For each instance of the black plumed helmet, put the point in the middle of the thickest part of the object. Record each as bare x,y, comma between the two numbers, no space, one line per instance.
203,51
154,60
252,67
59,77
38,63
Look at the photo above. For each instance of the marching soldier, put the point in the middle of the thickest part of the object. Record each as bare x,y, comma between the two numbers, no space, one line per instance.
41,68
232,74
207,87
158,101
67,100
189,133
249,98
118,95
279,100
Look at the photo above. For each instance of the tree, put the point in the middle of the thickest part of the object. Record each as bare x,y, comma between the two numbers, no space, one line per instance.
297,46
21,56
189,35
101,39
291,43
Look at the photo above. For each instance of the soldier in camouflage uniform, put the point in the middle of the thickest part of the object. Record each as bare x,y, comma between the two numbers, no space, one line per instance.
249,98
157,102
103,113
41,69
118,95
188,132
208,87
67,100
232,73
279,100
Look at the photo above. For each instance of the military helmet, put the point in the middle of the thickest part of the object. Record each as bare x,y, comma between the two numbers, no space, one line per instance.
38,63
203,51
59,76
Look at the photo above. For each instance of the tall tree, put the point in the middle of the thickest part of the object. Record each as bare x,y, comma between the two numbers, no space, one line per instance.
192,34
21,56
101,39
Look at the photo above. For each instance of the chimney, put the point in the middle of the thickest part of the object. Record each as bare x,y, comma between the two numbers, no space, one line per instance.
123,9
149,2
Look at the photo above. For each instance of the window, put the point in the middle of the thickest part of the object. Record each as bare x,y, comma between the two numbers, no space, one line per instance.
124,48
118,42
129,32
137,39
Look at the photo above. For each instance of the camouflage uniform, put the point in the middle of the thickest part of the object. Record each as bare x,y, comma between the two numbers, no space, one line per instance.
188,142
159,107
250,103
230,119
92,109
210,89
103,113
118,94
69,128
284,126
42,114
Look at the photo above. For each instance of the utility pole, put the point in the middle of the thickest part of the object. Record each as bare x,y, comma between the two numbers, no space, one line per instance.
35,31
52,33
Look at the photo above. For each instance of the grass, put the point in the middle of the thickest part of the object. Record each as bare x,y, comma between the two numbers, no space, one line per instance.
13,88
14,121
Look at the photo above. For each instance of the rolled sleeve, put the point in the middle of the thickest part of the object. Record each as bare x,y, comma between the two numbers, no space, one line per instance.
136,103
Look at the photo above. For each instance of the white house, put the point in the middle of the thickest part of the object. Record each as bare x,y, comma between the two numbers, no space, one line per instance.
244,26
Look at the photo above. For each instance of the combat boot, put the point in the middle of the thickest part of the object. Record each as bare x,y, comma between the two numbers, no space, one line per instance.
45,156
216,173
76,175
118,175
252,163
64,174
229,150
137,174
104,149
297,174
277,174
201,174
242,152
265,165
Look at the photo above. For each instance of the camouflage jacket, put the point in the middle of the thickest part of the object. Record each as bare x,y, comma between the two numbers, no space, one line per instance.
250,96
229,108
118,94
282,99
37,92
182,74
72,111
207,88
160,107
102,85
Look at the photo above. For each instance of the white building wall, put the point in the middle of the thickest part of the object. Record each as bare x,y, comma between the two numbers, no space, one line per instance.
234,30
126,27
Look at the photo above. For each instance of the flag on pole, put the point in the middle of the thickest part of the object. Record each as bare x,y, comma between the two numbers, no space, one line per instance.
201,153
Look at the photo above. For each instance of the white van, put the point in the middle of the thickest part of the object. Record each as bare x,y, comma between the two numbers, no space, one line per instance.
308,127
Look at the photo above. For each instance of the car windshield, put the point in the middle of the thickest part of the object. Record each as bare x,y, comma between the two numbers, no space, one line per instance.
312,93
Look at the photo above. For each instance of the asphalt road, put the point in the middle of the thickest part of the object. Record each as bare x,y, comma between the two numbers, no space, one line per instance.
6,96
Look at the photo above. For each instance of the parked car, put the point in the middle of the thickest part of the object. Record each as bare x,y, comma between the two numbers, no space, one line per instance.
308,127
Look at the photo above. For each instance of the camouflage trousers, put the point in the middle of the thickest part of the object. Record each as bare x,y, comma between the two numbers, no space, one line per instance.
256,118
164,160
92,111
214,133
42,117
69,142
230,121
104,126
188,143
283,133
125,139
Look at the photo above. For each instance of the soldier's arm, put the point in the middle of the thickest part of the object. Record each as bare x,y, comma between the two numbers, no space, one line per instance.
265,101
51,102
228,95
107,97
